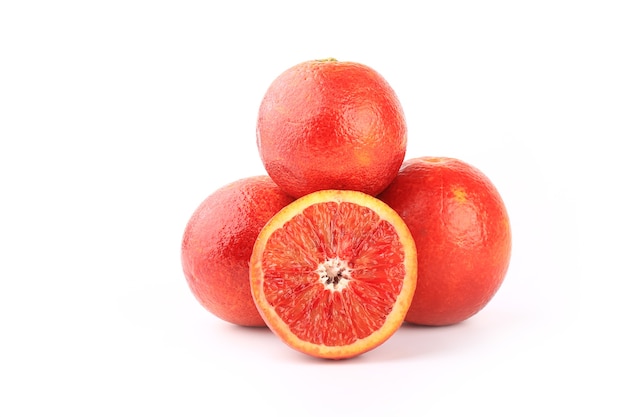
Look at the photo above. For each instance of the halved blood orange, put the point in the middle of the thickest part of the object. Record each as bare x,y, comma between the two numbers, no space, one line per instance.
333,273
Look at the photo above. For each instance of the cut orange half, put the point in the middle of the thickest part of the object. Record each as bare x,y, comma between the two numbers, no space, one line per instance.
333,273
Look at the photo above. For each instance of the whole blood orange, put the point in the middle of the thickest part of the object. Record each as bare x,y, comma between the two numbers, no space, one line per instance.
333,273
462,233
217,244
328,124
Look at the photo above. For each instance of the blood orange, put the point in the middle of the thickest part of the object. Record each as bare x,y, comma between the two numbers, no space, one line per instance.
217,244
328,124
333,273
462,233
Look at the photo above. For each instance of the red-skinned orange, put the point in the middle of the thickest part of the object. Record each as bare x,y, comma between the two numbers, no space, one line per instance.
462,234
328,124
217,244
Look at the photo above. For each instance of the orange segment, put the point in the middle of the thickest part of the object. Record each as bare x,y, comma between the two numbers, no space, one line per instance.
333,273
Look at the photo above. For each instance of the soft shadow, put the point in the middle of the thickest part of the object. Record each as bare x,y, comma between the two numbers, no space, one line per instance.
251,342
409,342
265,343
414,341
245,334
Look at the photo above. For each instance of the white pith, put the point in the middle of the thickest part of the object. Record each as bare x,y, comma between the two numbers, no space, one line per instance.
332,268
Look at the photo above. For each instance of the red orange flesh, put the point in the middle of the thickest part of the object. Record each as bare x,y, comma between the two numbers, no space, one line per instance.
333,273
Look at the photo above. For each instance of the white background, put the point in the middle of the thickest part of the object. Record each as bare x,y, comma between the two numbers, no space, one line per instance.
118,118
